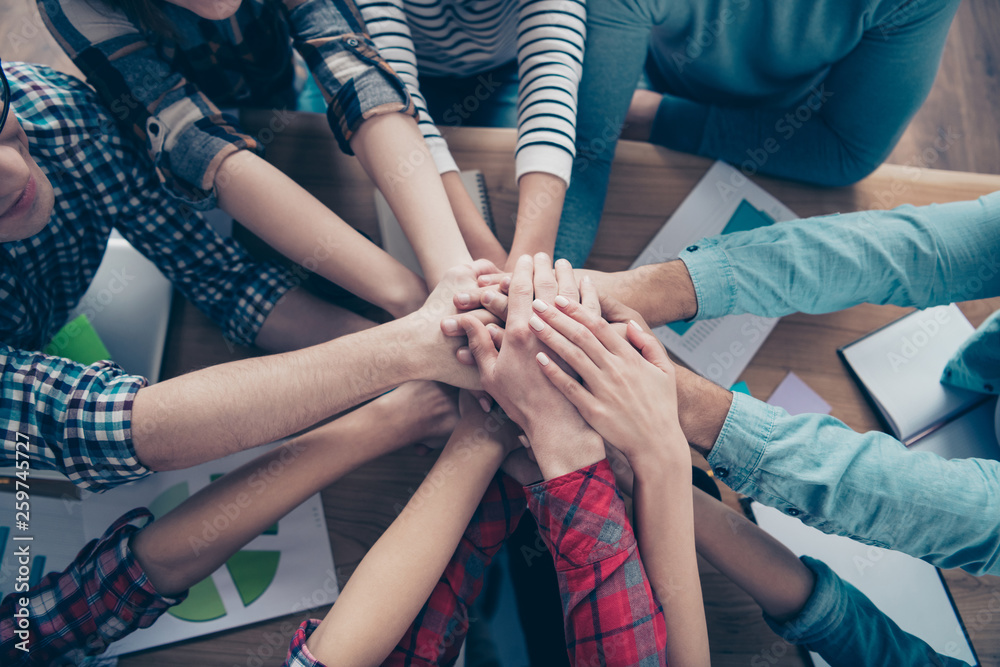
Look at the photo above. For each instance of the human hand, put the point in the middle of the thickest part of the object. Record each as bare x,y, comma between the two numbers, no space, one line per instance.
491,428
629,393
562,442
434,353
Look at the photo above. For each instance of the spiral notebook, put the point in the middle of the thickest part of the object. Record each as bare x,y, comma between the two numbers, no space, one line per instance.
394,240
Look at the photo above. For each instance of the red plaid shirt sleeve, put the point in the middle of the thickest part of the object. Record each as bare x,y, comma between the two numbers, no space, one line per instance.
436,635
101,597
611,615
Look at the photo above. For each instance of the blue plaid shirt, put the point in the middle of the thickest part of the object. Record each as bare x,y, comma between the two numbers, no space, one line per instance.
78,418
164,90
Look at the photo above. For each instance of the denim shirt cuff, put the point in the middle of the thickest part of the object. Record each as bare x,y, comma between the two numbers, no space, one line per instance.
742,442
823,612
713,279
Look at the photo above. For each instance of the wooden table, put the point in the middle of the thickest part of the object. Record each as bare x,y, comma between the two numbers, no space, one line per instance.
647,185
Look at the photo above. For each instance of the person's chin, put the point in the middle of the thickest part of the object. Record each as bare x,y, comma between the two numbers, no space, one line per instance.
220,10
35,219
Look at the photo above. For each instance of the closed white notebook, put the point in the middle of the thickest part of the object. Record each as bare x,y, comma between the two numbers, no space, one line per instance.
900,367
394,240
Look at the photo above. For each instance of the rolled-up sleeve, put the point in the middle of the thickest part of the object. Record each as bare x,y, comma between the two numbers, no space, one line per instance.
355,80
866,486
186,135
100,598
72,418
909,256
610,612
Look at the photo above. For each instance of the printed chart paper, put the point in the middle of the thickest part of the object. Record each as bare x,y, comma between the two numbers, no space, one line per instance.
724,201
287,569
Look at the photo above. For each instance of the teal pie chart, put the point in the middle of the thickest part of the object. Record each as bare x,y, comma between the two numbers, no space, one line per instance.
252,571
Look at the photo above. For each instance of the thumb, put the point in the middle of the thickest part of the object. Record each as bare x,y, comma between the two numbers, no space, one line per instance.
480,343
649,346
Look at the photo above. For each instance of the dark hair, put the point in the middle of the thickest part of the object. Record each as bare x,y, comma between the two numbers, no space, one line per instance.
147,13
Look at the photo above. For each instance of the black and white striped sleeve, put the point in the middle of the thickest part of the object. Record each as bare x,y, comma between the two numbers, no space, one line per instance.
550,45
388,27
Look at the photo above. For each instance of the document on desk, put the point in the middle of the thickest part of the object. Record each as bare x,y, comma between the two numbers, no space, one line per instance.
724,201
907,590
287,569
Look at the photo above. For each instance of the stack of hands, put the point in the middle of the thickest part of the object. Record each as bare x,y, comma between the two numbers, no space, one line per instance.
579,374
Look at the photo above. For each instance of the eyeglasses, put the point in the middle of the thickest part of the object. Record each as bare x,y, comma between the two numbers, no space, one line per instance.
6,98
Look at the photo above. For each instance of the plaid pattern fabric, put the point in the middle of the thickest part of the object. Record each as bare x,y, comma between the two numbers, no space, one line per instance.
611,614
101,597
101,182
437,633
166,91
77,419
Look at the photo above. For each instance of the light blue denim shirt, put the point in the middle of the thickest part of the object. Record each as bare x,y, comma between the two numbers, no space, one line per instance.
866,486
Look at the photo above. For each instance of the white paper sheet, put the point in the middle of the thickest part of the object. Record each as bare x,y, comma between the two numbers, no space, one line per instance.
723,201
907,590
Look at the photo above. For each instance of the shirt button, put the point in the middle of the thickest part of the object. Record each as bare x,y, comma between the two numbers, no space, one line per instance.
352,42
791,511
721,472
691,248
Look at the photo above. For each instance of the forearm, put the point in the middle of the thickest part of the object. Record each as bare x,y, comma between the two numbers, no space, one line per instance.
756,562
666,536
215,411
864,486
307,232
395,156
397,575
907,257
301,319
254,496
702,408
478,237
661,293
539,206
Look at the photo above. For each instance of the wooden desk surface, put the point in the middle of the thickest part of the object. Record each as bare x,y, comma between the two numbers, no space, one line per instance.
647,185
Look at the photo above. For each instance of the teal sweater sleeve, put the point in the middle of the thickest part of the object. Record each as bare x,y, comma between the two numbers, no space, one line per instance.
840,131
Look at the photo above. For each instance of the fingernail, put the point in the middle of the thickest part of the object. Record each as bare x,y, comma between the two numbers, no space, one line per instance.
484,403
536,323
523,439
586,279
543,358
487,297
525,258
635,325
562,301
563,262
463,298
464,355
539,305
450,325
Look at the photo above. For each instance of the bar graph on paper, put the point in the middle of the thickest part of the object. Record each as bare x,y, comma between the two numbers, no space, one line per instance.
723,202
